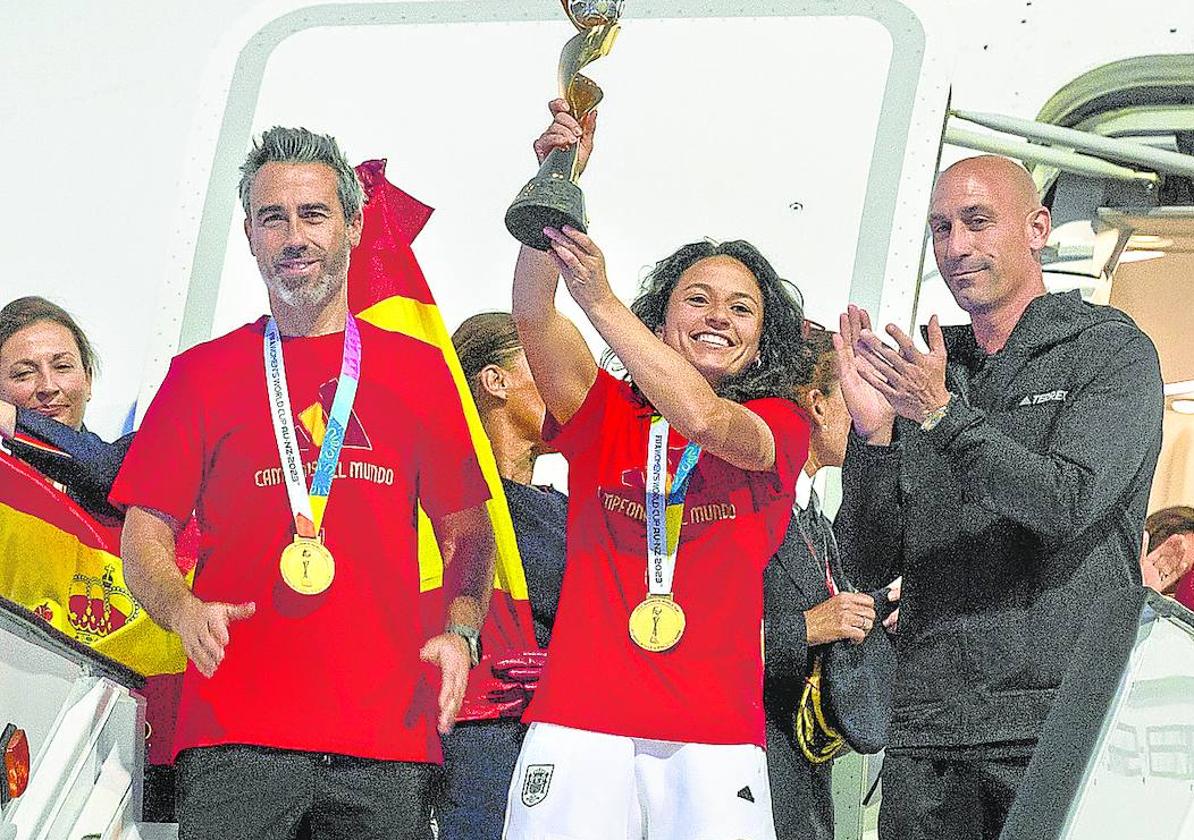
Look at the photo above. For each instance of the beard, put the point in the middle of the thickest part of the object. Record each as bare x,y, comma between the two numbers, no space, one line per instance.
307,292
304,292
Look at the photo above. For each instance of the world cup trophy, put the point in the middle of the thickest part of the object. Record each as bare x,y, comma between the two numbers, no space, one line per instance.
552,198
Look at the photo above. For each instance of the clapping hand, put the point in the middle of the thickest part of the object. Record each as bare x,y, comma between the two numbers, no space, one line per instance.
871,413
912,382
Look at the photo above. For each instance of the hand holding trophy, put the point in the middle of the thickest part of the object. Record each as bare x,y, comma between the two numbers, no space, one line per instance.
552,198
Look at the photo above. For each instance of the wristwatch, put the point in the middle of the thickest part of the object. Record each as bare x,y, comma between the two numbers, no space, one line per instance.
936,415
472,637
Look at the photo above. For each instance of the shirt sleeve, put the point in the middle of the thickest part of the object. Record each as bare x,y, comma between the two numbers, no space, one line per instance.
583,429
163,469
869,525
789,427
450,478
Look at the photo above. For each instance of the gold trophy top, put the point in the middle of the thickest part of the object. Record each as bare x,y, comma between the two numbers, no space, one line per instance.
586,14
596,22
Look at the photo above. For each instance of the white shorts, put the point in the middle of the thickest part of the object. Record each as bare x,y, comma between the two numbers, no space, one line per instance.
572,784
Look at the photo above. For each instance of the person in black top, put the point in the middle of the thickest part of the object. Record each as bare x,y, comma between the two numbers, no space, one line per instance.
479,756
1005,472
800,612
46,370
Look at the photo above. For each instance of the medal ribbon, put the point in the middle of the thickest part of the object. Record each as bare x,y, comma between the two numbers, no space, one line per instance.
665,506
308,508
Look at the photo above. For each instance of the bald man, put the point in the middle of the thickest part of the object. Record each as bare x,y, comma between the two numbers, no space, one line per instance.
1004,473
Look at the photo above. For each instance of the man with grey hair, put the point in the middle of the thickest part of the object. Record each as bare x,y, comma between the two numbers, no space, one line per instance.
317,708
1005,473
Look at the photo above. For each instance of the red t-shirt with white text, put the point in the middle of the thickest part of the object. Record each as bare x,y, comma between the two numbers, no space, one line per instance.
709,687
337,672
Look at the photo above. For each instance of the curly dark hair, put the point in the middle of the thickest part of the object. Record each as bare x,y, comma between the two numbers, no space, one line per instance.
785,361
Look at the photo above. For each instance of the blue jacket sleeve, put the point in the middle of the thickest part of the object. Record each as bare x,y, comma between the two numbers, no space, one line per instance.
85,464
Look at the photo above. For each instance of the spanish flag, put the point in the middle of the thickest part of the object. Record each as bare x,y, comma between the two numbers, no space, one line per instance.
64,567
387,288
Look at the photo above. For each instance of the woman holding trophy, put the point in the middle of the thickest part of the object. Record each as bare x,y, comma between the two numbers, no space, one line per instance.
648,720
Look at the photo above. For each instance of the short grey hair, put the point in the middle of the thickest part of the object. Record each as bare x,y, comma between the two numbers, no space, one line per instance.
298,145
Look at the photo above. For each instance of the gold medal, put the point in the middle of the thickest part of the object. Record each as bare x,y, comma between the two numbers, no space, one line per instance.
307,566
657,623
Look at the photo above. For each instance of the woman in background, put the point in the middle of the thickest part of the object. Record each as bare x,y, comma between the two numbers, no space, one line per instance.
804,610
479,755
47,366
1166,567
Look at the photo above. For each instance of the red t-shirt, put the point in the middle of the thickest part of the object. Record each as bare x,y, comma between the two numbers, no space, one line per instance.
337,672
709,687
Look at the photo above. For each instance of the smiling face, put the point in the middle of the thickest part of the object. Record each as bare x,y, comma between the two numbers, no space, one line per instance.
714,317
988,227
297,232
41,369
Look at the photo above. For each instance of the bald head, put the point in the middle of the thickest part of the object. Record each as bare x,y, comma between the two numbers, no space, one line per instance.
988,229
1001,175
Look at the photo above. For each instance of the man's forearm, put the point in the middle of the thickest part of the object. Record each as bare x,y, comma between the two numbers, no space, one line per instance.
468,551
150,565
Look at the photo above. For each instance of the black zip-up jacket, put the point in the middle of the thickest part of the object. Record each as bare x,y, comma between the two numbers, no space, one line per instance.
1010,519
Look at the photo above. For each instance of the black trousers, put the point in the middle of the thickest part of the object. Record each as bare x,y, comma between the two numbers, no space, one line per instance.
934,795
238,792
801,793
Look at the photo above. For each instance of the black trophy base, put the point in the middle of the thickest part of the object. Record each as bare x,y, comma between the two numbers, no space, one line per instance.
546,201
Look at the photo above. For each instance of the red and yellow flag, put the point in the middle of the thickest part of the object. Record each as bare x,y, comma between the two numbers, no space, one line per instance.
65,567
62,565
387,288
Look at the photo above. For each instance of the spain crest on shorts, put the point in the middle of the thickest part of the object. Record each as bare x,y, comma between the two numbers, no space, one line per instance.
535,782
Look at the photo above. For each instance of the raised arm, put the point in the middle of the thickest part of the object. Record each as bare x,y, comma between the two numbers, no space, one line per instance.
1107,432
560,360
673,386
